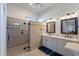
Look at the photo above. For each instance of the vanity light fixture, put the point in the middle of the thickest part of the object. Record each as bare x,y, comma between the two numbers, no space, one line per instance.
69,15
51,19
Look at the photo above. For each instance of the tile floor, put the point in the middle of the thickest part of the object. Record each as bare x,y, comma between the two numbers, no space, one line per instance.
19,51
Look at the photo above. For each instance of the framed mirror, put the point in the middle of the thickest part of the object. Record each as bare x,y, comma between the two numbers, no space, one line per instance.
50,27
69,26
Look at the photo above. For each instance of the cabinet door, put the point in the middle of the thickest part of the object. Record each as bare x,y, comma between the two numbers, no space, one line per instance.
60,46
53,44
46,41
49,43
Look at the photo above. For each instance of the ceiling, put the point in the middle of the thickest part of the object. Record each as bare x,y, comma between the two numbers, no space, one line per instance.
37,9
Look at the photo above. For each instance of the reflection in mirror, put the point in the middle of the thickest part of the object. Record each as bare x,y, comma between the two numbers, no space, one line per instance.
50,27
69,26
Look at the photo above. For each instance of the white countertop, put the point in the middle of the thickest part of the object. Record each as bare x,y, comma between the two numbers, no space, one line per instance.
60,37
72,46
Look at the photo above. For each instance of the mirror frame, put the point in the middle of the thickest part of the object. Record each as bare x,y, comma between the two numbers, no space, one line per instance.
76,26
47,27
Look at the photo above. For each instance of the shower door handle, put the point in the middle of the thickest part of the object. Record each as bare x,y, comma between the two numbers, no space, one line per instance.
22,31
8,37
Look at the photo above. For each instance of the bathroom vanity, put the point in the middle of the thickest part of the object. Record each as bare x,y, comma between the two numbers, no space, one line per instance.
57,43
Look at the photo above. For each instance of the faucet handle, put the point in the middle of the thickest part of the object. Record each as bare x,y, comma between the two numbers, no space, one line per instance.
70,37
64,36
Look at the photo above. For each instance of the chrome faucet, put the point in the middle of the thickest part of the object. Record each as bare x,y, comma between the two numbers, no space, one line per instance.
67,35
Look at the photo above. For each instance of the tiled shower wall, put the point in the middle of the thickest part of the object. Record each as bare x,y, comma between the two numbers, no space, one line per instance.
14,31
36,30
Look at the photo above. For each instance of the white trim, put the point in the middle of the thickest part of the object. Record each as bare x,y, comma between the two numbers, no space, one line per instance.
2,29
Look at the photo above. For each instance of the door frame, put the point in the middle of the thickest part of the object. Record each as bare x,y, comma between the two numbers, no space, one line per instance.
3,21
